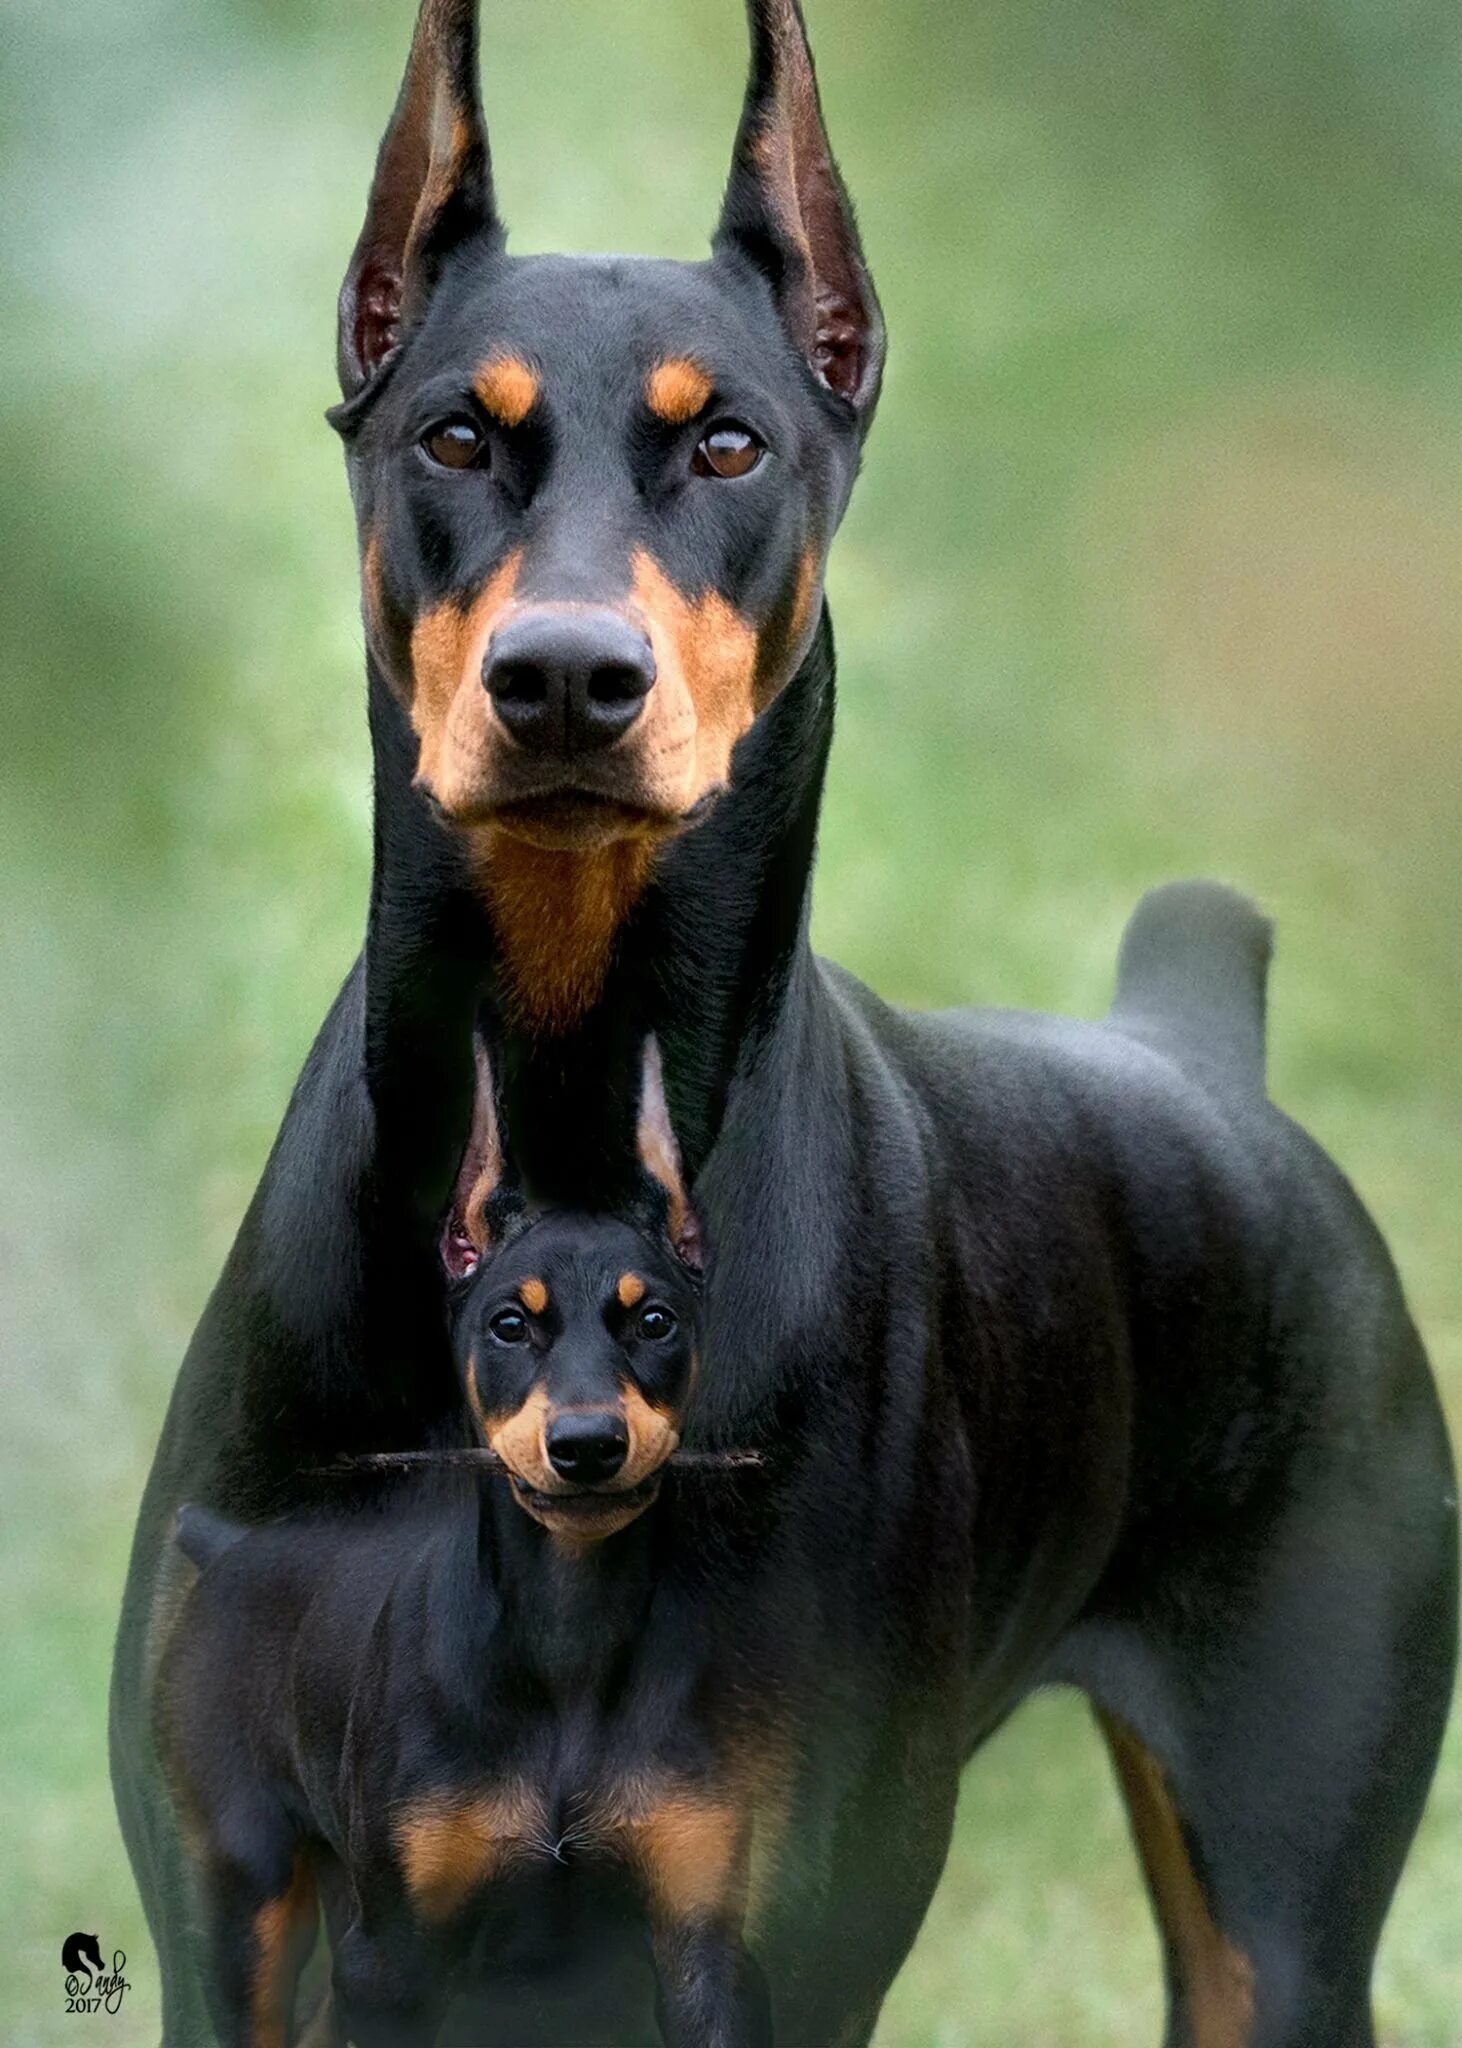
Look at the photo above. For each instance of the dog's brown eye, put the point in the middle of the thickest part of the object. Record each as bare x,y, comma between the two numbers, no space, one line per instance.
727,450
509,1326
454,444
656,1324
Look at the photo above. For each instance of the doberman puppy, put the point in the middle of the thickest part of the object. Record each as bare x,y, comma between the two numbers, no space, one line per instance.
455,1725
1069,1357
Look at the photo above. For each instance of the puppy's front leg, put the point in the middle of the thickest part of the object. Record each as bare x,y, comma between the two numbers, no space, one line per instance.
712,1993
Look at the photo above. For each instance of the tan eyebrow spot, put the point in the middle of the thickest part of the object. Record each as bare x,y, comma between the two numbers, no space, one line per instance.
676,390
631,1289
507,388
534,1296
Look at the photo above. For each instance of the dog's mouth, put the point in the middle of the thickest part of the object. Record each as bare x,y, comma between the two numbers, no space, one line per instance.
574,820
572,816
588,1512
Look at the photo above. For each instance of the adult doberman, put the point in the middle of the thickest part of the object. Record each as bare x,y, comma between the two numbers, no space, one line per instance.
1072,1359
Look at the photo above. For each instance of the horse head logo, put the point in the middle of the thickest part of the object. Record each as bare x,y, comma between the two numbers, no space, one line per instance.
82,1952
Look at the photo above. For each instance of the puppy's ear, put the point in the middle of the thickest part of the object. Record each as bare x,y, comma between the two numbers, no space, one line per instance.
660,1157
468,1232
432,191
786,213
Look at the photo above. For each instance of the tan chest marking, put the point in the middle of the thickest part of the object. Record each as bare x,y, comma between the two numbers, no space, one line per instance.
450,1847
556,915
690,1852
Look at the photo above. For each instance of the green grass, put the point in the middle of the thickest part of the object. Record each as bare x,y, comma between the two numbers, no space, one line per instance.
1156,568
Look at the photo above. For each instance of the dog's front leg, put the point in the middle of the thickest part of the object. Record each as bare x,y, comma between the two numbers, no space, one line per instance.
712,1993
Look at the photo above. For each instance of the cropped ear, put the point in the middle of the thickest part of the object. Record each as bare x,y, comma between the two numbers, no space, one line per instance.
660,1157
432,191
468,1232
786,211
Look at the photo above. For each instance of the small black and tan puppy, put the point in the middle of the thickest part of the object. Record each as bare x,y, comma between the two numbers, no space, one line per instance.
445,1721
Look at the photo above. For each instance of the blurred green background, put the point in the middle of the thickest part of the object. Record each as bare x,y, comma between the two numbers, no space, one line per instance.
1156,569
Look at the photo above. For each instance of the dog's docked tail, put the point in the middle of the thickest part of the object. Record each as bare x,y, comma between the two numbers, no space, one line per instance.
1191,976
203,1536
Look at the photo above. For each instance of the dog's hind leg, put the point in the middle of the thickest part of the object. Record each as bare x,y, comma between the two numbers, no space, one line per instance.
1274,1698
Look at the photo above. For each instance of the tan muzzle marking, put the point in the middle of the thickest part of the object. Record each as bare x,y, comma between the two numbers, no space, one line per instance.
450,711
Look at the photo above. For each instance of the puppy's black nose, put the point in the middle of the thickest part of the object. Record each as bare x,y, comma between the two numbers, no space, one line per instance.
587,1448
566,682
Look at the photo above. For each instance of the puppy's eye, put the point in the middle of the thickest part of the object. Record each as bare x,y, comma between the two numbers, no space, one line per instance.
455,444
727,449
656,1324
509,1326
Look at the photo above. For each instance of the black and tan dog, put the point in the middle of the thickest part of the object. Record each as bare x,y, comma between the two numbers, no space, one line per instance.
1070,1357
452,1727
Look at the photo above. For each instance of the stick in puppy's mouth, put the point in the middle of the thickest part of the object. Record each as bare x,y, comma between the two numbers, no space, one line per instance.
483,1460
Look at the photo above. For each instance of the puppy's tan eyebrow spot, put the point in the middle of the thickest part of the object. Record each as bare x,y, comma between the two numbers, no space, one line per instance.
676,390
507,389
534,1296
631,1289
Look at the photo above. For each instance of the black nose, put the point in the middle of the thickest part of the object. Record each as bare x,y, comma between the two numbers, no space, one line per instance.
587,1448
566,682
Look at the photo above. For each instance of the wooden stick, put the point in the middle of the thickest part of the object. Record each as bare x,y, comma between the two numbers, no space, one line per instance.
482,1460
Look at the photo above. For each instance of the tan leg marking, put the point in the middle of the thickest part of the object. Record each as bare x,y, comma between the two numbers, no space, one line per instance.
284,1934
507,389
676,390
1217,1978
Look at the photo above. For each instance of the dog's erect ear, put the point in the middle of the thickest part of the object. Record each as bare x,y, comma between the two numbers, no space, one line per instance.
432,191
660,1157
786,210
468,1229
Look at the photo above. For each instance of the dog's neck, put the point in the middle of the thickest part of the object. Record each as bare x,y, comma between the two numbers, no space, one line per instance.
564,1615
703,959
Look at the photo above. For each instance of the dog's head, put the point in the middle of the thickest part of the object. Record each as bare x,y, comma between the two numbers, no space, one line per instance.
577,1336
595,494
